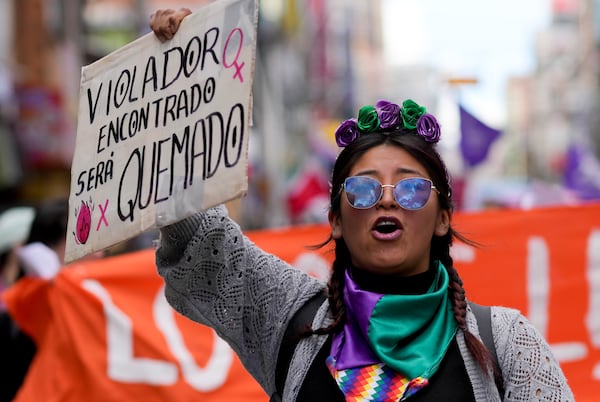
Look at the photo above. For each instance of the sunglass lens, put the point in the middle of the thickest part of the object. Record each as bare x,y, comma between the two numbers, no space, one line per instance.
412,193
362,192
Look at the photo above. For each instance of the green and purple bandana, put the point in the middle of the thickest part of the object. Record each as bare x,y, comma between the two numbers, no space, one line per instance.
391,345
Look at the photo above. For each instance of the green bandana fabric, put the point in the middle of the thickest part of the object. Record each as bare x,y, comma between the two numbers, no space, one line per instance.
415,340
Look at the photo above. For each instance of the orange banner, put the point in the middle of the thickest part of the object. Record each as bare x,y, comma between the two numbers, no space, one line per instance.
106,333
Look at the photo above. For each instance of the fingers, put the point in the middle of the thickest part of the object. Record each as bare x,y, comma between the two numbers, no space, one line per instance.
165,22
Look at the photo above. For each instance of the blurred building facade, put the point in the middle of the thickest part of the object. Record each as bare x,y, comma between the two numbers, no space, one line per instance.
551,114
554,111
317,62
565,87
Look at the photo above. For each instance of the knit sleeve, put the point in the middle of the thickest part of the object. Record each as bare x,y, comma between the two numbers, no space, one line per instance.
216,276
529,369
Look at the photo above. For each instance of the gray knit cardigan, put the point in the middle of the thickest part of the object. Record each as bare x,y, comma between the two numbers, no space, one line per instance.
216,276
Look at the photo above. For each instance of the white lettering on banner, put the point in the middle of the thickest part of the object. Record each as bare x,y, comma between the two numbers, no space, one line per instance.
538,296
124,367
593,277
217,368
538,282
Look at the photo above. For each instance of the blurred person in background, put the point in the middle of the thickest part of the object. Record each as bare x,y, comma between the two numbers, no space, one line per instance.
39,252
44,251
16,348
15,223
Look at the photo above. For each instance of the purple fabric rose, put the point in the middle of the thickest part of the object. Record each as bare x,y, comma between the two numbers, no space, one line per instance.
428,128
389,114
346,133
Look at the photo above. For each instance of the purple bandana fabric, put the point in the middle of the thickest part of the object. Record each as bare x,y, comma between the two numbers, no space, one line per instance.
349,347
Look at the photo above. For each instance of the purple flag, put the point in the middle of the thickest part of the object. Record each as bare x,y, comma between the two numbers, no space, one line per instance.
582,173
476,138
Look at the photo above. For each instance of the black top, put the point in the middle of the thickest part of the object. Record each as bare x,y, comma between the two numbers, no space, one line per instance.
450,383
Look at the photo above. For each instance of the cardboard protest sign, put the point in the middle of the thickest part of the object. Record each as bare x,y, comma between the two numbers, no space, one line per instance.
163,128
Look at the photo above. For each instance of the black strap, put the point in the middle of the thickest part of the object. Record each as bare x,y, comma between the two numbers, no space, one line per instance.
483,314
300,323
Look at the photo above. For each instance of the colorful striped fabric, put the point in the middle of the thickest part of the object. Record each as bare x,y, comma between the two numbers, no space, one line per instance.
376,382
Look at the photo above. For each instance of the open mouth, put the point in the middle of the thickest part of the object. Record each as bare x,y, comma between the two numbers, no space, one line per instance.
387,225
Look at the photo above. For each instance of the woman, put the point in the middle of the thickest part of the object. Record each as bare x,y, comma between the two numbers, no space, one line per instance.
395,322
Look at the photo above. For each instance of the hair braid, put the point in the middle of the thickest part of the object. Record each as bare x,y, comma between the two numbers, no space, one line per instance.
457,295
336,289
336,297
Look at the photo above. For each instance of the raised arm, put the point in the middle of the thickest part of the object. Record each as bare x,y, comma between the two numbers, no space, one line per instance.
165,22
216,276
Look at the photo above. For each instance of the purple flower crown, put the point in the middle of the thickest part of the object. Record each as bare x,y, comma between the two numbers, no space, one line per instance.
387,116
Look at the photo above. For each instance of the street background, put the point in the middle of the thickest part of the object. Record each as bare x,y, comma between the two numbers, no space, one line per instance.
514,85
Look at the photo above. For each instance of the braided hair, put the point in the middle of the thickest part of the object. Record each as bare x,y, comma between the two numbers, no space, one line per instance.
428,156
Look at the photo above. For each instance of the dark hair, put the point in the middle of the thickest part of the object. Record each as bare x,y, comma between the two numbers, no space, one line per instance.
428,156
49,225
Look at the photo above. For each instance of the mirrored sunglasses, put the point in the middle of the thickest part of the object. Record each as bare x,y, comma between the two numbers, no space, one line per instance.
363,192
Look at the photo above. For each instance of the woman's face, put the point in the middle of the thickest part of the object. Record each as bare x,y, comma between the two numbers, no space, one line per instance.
401,246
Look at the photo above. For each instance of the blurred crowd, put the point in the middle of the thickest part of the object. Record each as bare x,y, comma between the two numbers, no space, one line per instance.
32,245
32,242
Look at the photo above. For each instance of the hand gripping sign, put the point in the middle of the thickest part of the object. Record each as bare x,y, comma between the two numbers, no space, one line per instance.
163,128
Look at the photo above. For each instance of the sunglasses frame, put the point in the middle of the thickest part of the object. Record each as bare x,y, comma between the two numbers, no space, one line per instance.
393,186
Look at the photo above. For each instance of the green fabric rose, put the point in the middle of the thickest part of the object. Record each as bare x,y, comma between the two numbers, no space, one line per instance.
411,111
368,120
